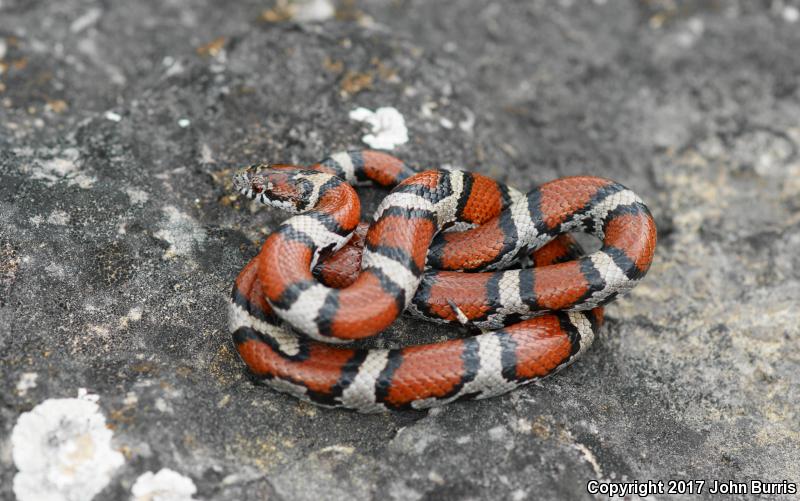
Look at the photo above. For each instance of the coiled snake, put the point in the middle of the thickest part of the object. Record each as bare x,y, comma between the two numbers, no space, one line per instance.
311,276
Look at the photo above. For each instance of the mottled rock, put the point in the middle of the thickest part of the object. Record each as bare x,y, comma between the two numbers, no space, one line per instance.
119,237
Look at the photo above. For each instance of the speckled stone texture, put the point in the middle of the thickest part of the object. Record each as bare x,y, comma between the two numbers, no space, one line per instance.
119,237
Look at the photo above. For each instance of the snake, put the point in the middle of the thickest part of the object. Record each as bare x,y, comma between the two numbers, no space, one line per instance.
445,245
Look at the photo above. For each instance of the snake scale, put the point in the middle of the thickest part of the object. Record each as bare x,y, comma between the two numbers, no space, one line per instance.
447,246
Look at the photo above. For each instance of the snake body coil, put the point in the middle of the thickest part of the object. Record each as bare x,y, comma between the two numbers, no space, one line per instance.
541,318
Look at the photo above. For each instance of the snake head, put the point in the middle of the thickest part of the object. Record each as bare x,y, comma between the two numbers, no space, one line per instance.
251,181
277,186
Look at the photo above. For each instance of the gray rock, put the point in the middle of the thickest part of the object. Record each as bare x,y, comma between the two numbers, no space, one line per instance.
119,238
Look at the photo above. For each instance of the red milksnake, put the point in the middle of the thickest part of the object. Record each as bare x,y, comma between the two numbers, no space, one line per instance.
535,320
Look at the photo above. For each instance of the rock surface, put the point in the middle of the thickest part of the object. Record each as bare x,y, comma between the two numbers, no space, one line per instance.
119,239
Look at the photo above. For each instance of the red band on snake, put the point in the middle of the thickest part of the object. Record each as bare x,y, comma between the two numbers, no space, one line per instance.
541,318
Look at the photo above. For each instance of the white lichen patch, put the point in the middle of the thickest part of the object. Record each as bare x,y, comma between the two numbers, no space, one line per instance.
134,315
63,166
790,14
137,196
173,66
55,270
166,485
338,449
87,20
469,121
27,381
691,32
58,217
162,406
130,399
98,330
36,220
498,433
62,449
388,127
180,231
206,155
309,11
